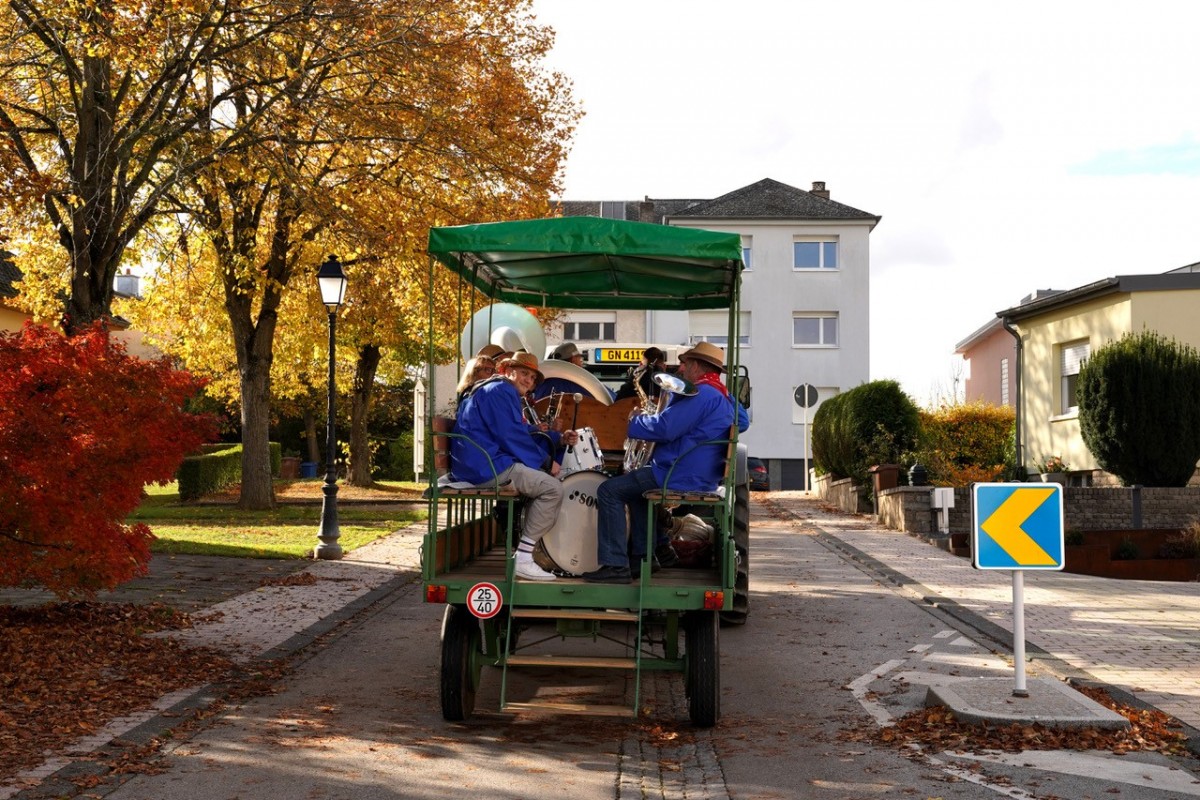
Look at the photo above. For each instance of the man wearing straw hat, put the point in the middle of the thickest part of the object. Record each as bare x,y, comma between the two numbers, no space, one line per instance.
491,417
676,430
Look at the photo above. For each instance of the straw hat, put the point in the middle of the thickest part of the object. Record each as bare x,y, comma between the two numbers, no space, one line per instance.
523,359
708,353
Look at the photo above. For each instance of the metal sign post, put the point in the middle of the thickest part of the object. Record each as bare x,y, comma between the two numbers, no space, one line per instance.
1018,589
1017,527
806,397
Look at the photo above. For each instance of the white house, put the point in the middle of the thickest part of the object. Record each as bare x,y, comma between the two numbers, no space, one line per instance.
805,304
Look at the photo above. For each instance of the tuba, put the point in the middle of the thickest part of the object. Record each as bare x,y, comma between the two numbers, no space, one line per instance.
638,451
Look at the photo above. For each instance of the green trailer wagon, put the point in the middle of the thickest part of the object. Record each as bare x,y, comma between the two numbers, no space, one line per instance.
669,620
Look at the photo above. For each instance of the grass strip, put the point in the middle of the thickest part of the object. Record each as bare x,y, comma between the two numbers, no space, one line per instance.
284,532
283,541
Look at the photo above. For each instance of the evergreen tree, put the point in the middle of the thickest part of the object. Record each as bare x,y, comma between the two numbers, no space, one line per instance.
1139,409
875,423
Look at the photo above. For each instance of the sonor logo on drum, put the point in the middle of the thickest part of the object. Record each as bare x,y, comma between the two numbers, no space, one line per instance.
585,499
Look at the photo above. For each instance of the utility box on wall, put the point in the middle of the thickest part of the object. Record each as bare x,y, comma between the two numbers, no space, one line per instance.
941,500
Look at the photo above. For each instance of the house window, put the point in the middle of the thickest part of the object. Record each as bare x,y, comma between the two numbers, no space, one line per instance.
590,327
713,327
747,242
1072,357
815,330
610,209
1004,382
815,254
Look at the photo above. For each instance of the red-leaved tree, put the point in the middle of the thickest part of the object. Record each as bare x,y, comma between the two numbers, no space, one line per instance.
83,427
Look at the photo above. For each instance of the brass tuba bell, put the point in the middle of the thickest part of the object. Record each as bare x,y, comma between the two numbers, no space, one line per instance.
638,451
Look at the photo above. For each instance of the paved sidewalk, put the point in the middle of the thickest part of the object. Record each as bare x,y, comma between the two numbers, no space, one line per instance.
243,617
1138,636
188,583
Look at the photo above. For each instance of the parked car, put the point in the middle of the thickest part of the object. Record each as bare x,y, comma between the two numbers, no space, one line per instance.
760,479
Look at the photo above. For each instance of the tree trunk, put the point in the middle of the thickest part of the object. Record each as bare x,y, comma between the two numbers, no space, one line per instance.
91,229
360,410
253,343
310,436
258,489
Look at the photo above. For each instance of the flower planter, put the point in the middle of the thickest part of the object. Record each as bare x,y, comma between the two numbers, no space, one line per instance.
289,467
1054,477
1094,557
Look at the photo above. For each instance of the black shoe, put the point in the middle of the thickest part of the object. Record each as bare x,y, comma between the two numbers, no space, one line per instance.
666,555
608,574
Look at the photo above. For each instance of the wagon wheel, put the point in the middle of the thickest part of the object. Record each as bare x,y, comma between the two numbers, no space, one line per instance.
702,678
741,541
462,659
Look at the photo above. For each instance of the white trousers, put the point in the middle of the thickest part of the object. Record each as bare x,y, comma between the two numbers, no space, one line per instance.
543,495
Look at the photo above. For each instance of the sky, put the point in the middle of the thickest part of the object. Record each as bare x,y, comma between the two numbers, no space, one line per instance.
1008,147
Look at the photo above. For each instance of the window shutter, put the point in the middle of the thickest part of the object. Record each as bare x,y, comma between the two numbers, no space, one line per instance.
1073,356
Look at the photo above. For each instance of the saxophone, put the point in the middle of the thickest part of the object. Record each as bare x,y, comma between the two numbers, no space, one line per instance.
638,451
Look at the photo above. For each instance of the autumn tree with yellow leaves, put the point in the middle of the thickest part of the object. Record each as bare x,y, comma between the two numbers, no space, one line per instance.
101,102
371,123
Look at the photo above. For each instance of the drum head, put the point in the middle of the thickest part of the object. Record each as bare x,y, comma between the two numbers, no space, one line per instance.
570,546
584,455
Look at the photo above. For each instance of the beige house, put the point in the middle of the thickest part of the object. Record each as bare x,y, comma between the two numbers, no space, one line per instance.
13,318
1057,333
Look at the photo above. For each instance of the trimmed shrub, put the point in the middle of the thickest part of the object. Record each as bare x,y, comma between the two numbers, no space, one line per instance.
1139,409
967,443
216,469
875,423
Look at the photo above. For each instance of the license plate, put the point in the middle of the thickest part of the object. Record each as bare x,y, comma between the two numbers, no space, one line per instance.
614,354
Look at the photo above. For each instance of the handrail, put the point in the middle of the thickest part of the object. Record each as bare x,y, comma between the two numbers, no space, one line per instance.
477,446
730,462
667,480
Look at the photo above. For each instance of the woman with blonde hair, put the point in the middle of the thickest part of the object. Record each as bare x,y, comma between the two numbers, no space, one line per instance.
477,369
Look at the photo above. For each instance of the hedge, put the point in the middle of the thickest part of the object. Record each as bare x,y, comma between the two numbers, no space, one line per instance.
211,472
1139,409
875,423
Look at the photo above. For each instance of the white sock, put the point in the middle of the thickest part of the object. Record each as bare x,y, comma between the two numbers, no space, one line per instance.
525,550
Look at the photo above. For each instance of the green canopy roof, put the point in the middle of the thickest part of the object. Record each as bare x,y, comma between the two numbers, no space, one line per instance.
590,262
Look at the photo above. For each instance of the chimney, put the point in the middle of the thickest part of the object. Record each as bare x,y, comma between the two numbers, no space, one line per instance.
819,189
127,284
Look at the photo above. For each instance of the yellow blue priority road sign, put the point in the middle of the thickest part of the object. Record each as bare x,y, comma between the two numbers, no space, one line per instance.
1018,526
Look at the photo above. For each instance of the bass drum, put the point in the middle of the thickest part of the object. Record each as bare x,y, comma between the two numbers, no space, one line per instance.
569,548
585,455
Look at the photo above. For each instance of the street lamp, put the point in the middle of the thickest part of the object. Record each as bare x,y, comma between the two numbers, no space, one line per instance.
332,281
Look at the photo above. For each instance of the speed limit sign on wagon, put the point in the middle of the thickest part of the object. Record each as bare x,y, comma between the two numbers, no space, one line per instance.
484,600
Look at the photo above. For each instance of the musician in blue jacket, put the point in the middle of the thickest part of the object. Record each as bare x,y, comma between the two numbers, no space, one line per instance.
491,416
683,424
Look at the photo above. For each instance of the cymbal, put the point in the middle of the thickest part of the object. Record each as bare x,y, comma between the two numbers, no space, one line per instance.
554,368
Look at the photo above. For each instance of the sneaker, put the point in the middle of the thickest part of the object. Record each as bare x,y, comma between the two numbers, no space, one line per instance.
530,571
608,574
666,555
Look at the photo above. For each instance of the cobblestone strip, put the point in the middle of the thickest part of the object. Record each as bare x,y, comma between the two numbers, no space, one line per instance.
687,770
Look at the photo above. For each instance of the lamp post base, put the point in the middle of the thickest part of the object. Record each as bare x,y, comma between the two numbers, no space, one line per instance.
329,533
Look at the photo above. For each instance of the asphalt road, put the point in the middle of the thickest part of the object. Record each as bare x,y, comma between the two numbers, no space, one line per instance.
829,654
